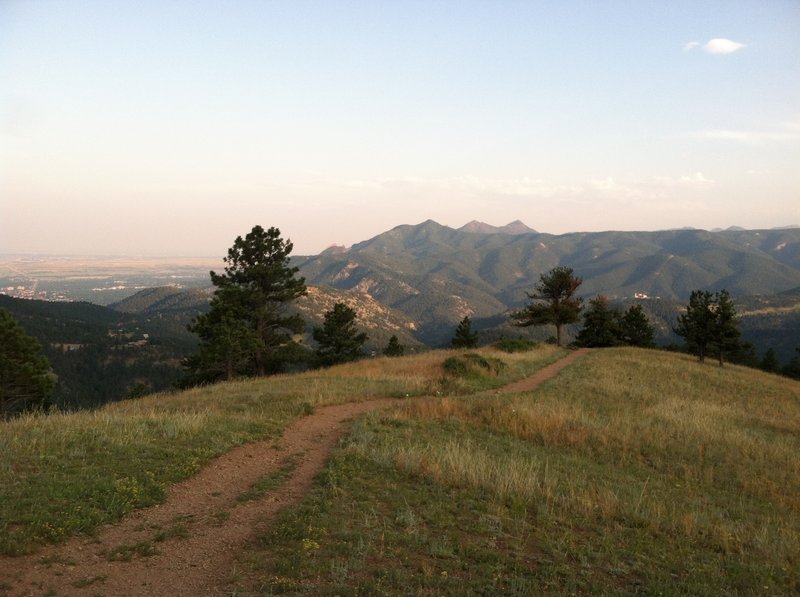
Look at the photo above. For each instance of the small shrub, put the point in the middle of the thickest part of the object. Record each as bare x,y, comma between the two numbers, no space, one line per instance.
515,345
492,365
455,366
472,363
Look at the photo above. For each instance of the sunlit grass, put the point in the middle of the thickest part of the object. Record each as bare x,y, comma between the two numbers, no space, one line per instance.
632,471
62,474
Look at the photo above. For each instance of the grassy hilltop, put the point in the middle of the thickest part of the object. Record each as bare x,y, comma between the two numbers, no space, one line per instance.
631,471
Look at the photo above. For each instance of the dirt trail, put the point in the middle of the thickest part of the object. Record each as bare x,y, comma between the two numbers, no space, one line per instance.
213,526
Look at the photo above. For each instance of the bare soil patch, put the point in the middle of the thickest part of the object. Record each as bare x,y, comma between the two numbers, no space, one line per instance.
188,545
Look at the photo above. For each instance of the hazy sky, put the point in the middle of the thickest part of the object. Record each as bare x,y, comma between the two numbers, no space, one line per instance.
169,127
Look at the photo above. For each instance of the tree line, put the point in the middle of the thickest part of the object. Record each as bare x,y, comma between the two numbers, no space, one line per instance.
250,330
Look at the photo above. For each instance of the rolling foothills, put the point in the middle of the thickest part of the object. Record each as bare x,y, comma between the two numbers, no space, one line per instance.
415,284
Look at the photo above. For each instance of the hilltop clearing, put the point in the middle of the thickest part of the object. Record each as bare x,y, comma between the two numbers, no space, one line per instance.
630,471
189,542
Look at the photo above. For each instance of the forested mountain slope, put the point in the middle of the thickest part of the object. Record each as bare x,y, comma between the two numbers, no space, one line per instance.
436,275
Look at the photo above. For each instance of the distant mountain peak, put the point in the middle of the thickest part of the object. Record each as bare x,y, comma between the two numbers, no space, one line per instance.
335,250
515,227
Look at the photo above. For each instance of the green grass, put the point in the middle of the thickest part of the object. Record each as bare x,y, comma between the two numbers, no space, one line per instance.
631,472
66,474
271,481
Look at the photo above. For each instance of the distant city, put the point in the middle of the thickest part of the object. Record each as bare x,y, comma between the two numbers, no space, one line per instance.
97,280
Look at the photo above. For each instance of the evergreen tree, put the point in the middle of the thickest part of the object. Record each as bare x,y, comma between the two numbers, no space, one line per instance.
710,323
792,368
635,329
394,348
464,336
339,340
770,362
601,325
248,331
25,382
696,324
555,304
725,330
227,346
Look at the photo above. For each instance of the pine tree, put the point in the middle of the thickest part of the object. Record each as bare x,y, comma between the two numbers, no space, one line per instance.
696,324
556,302
601,325
394,348
725,329
25,381
339,339
635,329
710,323
248,330
227,345
464,336
770,362
792,368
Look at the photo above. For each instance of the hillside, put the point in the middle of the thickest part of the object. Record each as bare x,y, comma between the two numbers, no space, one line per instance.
379,321
630,472
100,355
164,298
436,275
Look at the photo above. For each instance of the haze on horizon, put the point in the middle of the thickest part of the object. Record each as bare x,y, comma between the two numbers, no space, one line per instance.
155,128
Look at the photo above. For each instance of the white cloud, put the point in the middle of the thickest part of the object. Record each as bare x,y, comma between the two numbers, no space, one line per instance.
722,46
718,45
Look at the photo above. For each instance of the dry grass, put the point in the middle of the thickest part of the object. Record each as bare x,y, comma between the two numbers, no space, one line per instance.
672,462
62,474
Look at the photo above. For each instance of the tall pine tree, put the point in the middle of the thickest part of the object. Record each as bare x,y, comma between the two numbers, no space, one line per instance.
725,332
696,324
248,330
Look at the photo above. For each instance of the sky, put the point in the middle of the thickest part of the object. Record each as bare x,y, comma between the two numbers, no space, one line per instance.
170,127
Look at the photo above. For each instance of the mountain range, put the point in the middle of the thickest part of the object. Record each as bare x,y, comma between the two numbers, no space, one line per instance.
436,275
418,281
